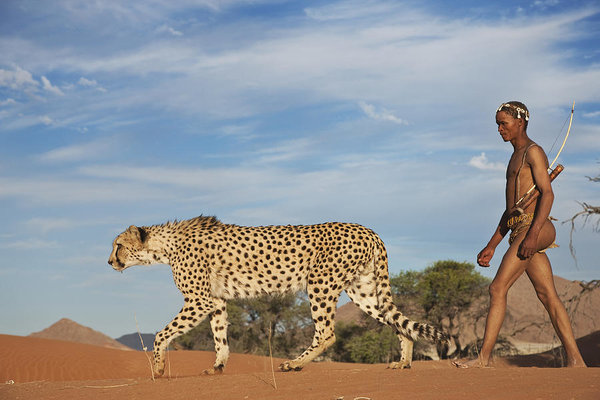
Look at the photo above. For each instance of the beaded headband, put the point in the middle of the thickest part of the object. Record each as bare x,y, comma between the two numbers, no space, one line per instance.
519,110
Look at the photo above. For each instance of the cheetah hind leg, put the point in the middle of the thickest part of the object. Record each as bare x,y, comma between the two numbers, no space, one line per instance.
406,352
218,325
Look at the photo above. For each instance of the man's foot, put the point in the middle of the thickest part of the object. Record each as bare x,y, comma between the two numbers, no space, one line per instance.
475,363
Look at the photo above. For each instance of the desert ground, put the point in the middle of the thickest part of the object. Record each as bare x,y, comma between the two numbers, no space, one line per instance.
36,368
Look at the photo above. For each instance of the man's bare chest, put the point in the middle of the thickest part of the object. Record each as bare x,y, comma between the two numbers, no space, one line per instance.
516,165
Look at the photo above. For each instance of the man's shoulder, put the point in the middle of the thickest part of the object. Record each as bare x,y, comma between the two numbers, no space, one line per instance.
535,153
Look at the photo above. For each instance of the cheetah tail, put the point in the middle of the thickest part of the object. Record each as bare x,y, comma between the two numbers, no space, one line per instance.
405,326
417,330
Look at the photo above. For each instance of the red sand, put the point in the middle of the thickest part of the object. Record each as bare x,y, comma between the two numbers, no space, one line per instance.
51,369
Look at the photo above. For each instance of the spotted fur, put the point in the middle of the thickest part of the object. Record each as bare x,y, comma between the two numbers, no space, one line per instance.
213,262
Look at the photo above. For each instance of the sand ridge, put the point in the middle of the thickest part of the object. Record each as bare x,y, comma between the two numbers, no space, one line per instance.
49,369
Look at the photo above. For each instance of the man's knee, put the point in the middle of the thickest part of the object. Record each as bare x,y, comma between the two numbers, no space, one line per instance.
497,291
548,297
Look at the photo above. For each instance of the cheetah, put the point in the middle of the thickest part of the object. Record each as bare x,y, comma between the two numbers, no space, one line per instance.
213,262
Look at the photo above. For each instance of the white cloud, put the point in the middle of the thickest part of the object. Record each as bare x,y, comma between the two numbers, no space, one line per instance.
244,132
287,151
87,82
170,30
91,83
29,244
62,190
7,102
46,120
47,85
17,79
592,114
383,63
45,225
543,4
349,10
481,162
405,59
380,115
77,152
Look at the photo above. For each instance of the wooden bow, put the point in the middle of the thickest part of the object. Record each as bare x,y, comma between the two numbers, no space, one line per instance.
565,139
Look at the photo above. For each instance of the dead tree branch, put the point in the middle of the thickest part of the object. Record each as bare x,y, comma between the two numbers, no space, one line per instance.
587,212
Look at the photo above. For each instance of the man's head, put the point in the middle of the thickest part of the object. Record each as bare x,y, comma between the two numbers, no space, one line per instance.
516,109
512,119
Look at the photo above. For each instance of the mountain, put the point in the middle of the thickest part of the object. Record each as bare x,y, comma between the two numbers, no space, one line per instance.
71,331
132,340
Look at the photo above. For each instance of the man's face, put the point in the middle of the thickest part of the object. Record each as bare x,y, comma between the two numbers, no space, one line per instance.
508,126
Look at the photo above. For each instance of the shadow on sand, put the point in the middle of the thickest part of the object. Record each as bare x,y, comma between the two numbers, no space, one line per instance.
589,346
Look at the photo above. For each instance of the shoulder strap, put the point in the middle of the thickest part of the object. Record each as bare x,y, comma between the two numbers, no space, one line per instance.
518,180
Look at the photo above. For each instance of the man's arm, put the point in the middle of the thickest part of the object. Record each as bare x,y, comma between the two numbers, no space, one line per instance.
485,256
538,163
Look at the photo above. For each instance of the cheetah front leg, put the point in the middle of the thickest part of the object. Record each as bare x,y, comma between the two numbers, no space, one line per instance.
190,316
218,325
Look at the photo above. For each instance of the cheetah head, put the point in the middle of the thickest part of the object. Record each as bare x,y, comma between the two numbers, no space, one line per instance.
131,248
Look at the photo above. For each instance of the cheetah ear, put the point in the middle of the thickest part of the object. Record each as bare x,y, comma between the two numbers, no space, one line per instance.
139,233
143,235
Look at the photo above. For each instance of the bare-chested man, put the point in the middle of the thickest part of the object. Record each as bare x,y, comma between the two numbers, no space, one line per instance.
532,233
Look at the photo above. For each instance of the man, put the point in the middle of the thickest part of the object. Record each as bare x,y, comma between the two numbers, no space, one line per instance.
532,233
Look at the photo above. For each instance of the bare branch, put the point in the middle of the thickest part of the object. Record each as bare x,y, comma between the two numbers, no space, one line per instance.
588,211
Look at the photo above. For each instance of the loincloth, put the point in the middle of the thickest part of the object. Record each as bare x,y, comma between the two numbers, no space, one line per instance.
520,224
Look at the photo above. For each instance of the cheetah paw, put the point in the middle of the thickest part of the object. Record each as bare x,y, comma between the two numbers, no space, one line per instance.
213,371
286,367
399,365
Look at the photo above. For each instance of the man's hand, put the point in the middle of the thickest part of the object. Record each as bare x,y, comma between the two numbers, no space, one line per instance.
528,247
485,256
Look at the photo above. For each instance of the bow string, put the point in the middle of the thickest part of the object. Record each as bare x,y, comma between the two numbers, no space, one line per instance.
565,139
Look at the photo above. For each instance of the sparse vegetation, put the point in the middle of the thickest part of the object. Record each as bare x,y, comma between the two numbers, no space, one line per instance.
448,288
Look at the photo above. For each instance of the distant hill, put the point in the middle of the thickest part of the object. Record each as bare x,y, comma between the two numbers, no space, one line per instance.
132,340
71,331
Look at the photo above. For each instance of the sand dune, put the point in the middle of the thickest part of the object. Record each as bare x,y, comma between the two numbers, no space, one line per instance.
51,369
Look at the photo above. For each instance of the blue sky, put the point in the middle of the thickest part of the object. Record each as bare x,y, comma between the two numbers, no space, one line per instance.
115,113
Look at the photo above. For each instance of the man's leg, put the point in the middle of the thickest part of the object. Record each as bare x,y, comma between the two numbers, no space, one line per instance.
540,274
511,268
